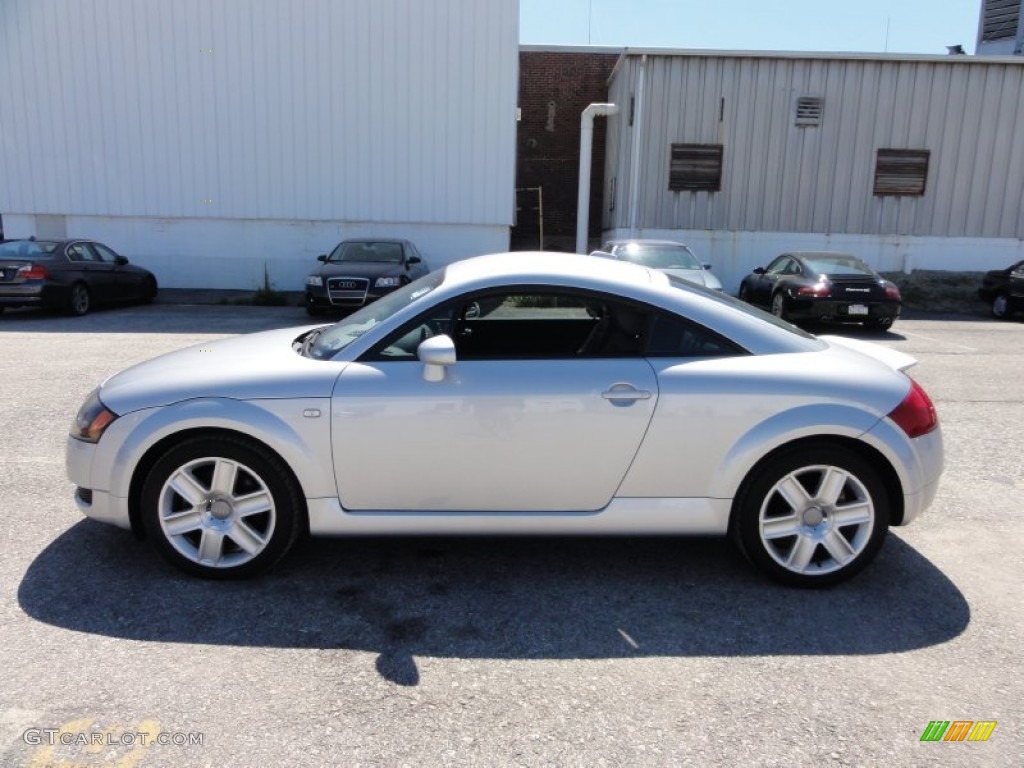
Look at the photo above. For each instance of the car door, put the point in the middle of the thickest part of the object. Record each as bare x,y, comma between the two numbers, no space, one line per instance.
532,417
1017,285
92,270
765,284
127,281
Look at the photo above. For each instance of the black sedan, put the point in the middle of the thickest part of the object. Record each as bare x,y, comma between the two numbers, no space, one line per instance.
360,271
1004,290
69,275
823,286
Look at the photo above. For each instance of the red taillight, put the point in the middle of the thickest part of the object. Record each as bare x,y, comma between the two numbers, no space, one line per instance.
33,272
915,415
821,290
891,291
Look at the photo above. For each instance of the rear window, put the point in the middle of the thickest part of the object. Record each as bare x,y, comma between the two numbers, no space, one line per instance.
839,266
27,249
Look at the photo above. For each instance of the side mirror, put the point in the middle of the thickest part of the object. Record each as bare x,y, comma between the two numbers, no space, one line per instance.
759,271
322,257
436,354
706,265
120,260
414,260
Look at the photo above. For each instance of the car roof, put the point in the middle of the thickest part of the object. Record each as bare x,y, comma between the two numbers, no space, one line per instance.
374,240
645,241
544,266
821,254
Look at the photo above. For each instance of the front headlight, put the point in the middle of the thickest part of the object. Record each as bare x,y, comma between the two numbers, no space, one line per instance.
315,280
387,282
93,419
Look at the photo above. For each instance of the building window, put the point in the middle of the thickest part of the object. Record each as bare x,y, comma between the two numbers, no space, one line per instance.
695,167
901,171
808,110
999,19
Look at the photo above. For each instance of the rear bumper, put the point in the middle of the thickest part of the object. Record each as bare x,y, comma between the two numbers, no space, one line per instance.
829,309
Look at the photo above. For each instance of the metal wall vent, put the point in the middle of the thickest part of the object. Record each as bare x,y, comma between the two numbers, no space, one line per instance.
999,19
809,109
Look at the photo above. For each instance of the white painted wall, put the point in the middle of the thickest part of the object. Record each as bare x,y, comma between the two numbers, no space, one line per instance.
228,253
733,255
208,134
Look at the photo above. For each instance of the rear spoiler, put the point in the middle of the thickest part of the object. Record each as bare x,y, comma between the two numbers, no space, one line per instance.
898,361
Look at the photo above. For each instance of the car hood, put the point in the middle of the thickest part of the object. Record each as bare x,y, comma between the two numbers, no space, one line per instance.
698,276
253,366
360,269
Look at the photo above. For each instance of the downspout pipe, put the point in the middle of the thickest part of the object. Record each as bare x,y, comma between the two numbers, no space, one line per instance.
634,162
586,160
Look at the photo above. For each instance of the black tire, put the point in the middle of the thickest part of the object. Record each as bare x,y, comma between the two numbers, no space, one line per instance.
79,300
780,307
1001,307
214,517
149,290
314,311
880,323
805,557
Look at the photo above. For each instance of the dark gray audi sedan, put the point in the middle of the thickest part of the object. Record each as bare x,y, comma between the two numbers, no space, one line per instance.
357,272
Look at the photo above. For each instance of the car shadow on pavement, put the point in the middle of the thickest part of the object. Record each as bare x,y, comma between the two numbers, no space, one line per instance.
494,598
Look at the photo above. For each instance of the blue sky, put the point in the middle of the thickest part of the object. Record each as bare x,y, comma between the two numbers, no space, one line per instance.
914,26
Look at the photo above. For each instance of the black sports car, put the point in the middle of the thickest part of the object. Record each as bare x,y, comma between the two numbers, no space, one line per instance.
360,271
823,286
1004,290
71,275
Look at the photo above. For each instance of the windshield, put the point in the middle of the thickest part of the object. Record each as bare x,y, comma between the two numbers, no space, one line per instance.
338,336
661,256
838,265
367,250
742,306
27,249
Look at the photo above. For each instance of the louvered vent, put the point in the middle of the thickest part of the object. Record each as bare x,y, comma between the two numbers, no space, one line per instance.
695,168
809,109
1000,19
901,171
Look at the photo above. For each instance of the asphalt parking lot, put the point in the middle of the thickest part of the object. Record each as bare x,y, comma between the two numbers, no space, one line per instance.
503,652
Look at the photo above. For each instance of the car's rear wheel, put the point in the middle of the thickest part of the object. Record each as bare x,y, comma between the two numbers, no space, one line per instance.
813,516
79,299
779,307
1001,307
221,507
879,323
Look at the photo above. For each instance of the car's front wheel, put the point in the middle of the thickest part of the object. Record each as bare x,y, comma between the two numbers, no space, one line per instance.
812,516
221,507
1001,307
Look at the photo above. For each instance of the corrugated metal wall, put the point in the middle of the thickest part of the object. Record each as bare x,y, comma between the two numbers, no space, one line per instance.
784,178
390,110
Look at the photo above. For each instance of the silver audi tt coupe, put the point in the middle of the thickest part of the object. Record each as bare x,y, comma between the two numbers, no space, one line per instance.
517,394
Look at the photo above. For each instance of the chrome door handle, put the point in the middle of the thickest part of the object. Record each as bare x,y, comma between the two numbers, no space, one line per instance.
623,391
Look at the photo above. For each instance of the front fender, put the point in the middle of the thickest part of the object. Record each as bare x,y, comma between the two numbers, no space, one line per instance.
819,420
302,441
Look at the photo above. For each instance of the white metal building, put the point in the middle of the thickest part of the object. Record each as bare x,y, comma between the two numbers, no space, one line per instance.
908,161
205,139
1001,28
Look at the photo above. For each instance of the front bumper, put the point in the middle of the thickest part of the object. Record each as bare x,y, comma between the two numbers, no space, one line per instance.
318,298
96,503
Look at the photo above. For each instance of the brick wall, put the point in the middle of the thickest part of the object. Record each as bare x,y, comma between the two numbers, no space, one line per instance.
554,89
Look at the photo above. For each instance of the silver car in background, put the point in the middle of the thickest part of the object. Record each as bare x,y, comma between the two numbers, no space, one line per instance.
517,394
667,256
